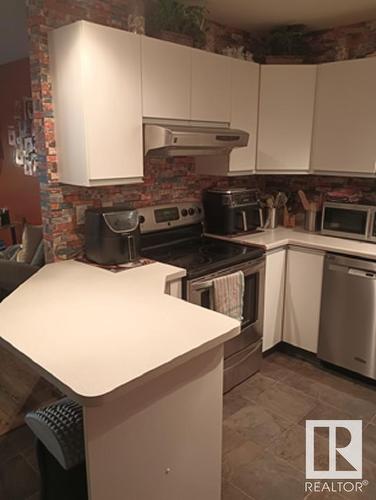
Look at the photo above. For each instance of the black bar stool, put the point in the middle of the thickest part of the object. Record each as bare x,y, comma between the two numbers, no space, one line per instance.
60,450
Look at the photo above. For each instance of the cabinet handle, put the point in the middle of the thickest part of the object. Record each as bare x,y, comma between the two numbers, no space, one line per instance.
244,218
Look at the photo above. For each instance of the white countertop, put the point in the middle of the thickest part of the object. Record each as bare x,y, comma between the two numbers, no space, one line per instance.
92,332
275,238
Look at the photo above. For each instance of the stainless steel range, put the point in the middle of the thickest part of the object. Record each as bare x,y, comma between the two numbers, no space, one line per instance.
173,234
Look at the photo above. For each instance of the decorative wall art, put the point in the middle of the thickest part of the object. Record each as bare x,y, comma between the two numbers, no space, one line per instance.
20,136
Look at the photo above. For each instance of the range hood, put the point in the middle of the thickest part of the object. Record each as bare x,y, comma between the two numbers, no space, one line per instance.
165,140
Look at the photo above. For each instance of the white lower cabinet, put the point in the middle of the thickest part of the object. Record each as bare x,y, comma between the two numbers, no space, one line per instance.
304,273
174,288
274,298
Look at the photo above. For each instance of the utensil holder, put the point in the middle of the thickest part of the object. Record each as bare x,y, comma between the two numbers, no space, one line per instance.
272,217
312,221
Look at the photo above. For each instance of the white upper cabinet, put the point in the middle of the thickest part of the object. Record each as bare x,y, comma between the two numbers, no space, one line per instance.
344,138
166,79
211,87
244,97
287,96
245,78
96,79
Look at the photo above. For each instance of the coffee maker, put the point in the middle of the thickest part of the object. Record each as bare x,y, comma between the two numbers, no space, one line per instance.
112,235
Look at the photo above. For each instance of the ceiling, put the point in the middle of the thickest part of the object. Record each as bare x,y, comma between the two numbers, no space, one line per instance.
261,14
13,33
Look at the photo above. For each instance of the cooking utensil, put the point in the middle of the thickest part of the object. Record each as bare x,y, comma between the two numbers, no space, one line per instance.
270,202
282,200
304,199
277,199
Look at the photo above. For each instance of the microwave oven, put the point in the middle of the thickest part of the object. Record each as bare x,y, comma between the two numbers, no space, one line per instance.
349,221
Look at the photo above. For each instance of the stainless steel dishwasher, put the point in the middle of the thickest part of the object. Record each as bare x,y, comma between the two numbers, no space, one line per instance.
348,314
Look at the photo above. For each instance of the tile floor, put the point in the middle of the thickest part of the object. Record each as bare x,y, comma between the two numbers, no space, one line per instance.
264,429
264,437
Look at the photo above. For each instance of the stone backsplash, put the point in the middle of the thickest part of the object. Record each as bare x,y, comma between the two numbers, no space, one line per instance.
164,182
62,206
345,42
315,184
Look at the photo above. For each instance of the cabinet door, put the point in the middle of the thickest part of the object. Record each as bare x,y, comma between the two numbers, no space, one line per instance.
174,288
166,79
244,112
287,95
274,298
111,88
211,87
303,298
344,137
65,64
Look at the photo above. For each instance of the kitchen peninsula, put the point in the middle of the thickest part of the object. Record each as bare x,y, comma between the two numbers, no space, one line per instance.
149,378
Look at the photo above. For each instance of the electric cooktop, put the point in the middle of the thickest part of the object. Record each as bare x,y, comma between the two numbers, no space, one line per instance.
202,255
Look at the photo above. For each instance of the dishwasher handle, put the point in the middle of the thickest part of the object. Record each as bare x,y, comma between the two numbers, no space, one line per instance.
353,271
362,274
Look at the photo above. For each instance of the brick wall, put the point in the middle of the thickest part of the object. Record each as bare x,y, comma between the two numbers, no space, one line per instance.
345,42
164,180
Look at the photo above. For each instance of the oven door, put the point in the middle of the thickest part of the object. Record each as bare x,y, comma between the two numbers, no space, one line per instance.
372,235
200,292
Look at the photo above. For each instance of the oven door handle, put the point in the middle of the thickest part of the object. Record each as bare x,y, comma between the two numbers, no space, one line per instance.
204,286
257,266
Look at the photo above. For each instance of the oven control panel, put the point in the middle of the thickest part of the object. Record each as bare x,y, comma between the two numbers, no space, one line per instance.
170,215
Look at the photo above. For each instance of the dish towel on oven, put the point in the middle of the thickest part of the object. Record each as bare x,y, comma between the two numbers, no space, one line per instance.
229,295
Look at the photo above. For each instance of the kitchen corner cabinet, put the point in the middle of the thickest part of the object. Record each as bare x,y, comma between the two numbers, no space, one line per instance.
344,136
287,98
166,79
96,81
211,87
304,274
275,267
